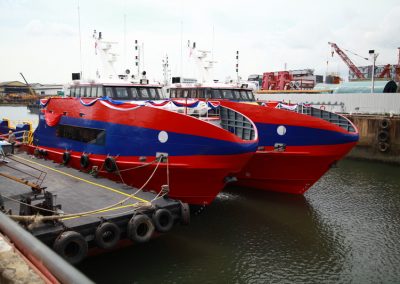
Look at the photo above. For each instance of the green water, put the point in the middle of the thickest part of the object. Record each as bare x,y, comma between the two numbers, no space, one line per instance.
346,229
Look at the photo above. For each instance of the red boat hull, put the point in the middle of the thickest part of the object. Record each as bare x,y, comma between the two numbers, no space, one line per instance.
293,171
201,156
312,145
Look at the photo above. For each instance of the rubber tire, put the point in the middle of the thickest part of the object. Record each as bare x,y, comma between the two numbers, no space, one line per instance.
163,220
110,165
64,242
84,161
140,228
383,136
104,228
383,146
36,152
384,123
66,158
185,214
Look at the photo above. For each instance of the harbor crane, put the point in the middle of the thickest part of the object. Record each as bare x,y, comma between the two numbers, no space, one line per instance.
347,60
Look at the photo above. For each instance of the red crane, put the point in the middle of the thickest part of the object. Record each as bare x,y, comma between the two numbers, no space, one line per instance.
385,72
347,60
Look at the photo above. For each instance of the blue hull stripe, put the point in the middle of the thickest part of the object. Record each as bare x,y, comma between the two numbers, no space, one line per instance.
301,136
127,140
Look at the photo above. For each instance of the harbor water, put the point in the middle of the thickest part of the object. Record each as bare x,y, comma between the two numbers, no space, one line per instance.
345,229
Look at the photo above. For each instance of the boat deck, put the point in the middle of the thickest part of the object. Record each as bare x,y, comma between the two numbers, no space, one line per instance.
76,192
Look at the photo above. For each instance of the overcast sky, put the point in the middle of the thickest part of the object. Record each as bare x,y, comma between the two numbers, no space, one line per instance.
41,37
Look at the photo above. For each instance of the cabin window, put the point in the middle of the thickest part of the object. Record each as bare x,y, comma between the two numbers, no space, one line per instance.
109,92
243,95
178,93
200,93
83,92
134,93
121,93
250,95
82,134
172,93
99,91
143,94
193,93
216,94
72,92
93,92
185,93
227,94
153,93
236,95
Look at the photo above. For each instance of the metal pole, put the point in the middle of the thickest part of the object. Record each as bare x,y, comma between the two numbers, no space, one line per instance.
33,249
374,56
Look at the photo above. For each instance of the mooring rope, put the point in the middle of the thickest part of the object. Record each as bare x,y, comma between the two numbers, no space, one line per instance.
38,218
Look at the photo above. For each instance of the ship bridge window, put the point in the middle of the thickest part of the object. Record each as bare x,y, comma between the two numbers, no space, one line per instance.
134,93
72,91
83,92
99,91
144,95
109,92
200,93
121,93
236,94
216,94
251,96
193,93
93,92
227,94
82,134
153,93
243,95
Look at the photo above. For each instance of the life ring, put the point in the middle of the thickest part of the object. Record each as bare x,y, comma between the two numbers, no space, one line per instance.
383,146
185,214
383,136
110,164
107,235
140,228
163,220
322,107
84,161
72,246
66,157
384,123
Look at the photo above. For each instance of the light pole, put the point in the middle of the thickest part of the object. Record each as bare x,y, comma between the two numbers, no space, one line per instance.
374,56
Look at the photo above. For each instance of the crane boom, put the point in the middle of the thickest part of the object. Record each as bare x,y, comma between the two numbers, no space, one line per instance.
347,60
33,93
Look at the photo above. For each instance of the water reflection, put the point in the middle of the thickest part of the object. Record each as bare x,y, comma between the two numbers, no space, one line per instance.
244,236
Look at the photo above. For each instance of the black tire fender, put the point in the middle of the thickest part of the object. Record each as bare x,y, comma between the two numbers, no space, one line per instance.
36,152
383,146
71,246
185,214
163,220
84,161
107,235
383,136
384,123
140,228
110,165
66,157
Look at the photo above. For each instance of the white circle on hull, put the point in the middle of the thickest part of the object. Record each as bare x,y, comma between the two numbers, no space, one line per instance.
281,130
163,136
